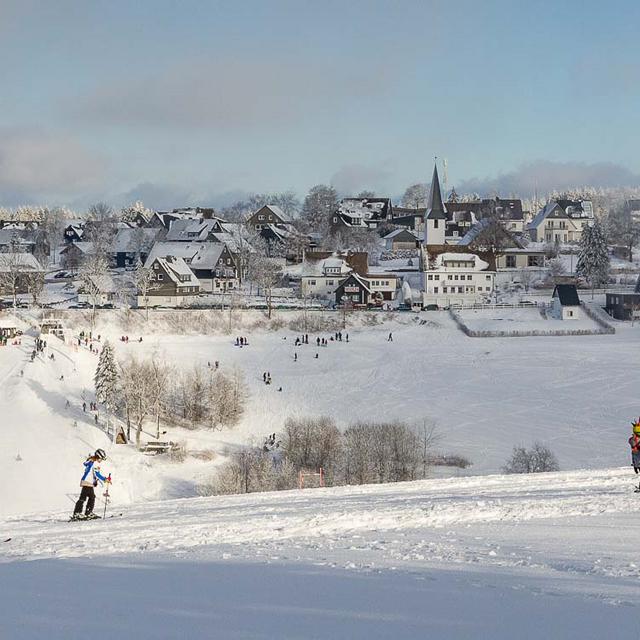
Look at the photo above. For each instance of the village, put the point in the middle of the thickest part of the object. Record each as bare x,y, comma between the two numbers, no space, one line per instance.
366,254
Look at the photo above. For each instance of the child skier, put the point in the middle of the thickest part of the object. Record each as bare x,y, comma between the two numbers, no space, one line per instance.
634,443
89,480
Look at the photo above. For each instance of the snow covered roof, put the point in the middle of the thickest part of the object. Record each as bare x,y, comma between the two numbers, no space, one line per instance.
189,229
26,261
177,269
200,255
397,232
311,268
448,260
275,209
364,208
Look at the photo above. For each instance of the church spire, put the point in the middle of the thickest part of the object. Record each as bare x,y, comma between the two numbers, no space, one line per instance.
435,206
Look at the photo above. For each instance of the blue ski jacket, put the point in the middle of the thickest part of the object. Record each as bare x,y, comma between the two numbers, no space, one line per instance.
91,474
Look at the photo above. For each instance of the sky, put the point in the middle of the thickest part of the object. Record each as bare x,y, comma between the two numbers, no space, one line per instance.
200,102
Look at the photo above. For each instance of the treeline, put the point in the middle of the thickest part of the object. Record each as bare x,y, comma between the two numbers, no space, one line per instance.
365,453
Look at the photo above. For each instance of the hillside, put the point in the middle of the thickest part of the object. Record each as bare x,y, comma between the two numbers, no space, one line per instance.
576,394
480,557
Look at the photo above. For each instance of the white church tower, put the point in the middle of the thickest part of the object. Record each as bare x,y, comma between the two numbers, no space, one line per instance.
435,217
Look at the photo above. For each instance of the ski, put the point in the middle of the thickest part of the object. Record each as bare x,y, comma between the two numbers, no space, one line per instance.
7,540
94,517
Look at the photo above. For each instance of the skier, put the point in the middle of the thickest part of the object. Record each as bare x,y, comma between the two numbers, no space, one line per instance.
634,443
89,480
390,338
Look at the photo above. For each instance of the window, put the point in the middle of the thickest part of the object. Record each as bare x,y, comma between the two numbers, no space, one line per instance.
312,282
455,277
444,289
335,219
261,217
160,276
435,224
435,289
511,262
430,277
329,283
437,277
156,266
449,277
487,277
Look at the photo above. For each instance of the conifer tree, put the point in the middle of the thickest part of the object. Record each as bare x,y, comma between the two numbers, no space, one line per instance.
593,261
106,379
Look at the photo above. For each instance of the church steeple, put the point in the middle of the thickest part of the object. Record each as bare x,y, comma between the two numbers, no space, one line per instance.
435,217
435,206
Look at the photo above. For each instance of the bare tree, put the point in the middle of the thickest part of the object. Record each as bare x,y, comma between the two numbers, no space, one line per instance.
266,272
416,196
538,459
93,276
144,282
12,274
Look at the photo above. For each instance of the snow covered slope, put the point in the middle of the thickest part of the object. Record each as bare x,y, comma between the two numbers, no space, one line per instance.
576,394
551,555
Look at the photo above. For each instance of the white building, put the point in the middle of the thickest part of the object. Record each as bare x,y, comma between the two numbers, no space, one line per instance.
321,278
566,302
457,278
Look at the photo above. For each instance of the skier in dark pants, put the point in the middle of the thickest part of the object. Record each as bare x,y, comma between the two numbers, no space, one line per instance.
90,479
634,443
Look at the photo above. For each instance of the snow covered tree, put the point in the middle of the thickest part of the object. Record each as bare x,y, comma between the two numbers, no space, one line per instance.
265,271
415,196
144,282
106,379
93,278
593,260
319,204
132,211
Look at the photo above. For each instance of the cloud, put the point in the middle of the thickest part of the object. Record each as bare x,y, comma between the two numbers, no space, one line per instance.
229,94
36,165
353,178
164,197
545,176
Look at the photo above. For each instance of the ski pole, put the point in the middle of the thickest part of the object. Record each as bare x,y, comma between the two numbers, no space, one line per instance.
106,497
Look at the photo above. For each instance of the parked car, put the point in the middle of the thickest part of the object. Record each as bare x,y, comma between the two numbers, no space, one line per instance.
431,307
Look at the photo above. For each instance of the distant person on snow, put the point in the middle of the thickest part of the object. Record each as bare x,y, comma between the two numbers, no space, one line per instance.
634,443
90,478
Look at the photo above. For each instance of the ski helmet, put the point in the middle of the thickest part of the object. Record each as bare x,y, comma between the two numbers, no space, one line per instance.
100,454
636,428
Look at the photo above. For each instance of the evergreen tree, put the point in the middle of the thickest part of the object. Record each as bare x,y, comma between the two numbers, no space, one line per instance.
106,379
593,261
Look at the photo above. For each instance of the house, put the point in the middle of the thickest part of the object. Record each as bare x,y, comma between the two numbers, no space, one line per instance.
565,303
74,232
490,235
15,240
131,244
409,218
17,271
361,213
353,290
266,215
98,290
511,258
383,286
211,262
561,221
321,278
74,253
401,240
8,328
457,278
174,284
624,305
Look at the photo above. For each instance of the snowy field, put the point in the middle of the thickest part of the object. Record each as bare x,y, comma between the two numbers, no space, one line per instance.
496,557
576,394
523,319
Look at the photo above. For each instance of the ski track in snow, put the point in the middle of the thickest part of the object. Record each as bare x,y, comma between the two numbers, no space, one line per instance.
412,523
